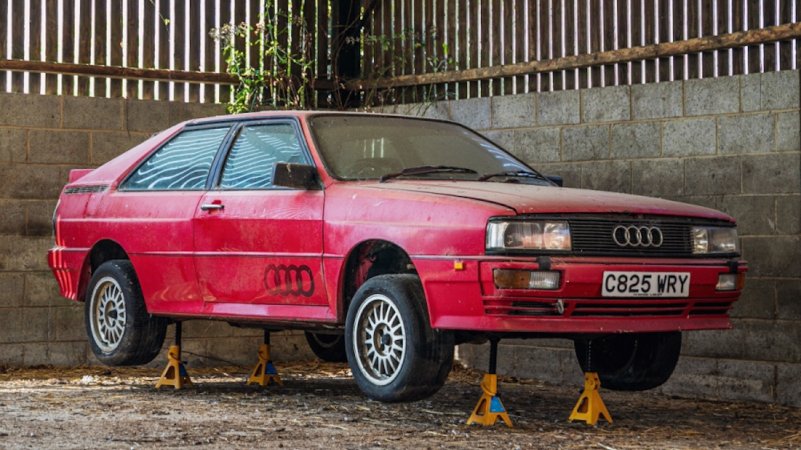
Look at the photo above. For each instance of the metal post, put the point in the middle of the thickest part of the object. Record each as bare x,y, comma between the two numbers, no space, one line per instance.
178,333
493,359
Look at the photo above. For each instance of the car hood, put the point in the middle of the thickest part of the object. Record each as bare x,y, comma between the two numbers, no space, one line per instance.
531,199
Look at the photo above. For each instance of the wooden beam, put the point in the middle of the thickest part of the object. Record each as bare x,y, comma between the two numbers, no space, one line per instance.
128,73
689,46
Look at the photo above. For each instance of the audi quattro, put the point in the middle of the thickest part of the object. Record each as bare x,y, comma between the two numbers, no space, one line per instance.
389,240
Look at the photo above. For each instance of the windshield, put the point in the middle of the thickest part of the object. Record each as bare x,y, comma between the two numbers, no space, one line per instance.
358,147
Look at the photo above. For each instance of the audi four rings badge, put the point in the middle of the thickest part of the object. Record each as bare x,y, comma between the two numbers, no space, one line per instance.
289,280
637,236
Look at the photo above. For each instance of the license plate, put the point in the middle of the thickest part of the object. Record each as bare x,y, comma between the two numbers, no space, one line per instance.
646,284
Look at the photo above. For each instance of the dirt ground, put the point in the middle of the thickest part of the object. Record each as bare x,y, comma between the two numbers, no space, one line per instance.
320,407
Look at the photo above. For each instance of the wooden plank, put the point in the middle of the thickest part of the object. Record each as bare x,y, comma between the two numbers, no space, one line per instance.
115,44
148,45
162,90
4,75
208,45
193,52
462,38
116,72
35,46
84,45
708,43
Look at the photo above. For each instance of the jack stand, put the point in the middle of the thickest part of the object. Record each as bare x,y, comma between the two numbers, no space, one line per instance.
489,407
175,374
590,406
264,374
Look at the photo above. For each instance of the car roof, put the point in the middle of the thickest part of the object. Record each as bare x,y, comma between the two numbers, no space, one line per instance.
288,113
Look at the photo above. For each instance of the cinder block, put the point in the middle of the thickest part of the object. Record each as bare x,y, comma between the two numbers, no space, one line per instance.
752,133
656,100
514,111
558,108
612,176
472,112
658,177
24,181
13,217
246,332
687,137
35,354
788,384
40,217
107,146
68,322
788,214
436,110
28,110
758,300
12,145
787,132
236,351
606,104
11,289
717,175
788,299
64,147
504,138
206,329
93,113
41,289
146,115
24,253
750,381
756,340
585,143
11,355
26,325
537,145
750,92
779,90
637,140
570,172
711,96
775,256
767,174
67,354
754,213
707,201
180,111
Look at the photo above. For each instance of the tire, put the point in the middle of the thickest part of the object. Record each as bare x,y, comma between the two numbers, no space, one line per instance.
120,330
631,362
328,347
419,360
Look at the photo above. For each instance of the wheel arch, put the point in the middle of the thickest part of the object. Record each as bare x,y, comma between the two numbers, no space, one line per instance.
367,259
102,251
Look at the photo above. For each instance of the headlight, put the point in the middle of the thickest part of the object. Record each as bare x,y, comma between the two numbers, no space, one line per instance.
708,240
528,235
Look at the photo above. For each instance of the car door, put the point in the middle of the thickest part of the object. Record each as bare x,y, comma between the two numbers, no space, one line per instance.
257,243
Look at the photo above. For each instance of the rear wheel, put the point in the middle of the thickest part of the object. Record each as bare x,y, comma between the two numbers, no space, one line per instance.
328,347
632,361
120,330
392,351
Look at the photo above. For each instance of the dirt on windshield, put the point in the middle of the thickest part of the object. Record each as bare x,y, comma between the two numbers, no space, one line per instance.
319,406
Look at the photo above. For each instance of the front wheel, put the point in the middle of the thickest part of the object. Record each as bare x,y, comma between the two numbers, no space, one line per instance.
392,351
120,330
632,361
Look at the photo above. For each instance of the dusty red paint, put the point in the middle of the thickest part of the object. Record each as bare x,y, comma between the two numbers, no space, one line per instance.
217,264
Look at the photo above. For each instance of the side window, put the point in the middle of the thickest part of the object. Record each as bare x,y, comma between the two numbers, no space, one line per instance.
251,163
181,164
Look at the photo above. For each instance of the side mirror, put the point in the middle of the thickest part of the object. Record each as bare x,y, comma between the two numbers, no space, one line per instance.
296,176
556,179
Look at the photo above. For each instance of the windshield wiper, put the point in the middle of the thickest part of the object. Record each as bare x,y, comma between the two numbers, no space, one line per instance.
420,170
513,173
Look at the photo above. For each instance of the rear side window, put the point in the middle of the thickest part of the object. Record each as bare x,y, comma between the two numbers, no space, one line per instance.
181,164
251,163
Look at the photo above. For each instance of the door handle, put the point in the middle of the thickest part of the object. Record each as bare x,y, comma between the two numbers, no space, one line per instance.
211,206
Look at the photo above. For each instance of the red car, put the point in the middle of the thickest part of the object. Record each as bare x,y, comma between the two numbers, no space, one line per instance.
389,240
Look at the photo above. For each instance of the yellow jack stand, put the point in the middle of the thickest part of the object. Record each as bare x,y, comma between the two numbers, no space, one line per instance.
175,374
590,407
489,407
264,374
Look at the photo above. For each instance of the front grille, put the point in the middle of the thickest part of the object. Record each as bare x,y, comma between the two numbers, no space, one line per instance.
594,237
607,307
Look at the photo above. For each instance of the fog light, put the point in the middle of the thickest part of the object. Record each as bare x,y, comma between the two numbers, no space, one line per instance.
526,279
727,282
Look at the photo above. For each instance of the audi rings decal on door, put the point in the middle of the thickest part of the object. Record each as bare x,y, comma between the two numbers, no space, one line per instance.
637,236
289,280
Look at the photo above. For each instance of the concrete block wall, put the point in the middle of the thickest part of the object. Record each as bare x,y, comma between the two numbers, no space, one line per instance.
729,143
41,139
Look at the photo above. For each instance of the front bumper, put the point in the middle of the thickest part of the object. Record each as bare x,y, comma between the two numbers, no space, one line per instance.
468,300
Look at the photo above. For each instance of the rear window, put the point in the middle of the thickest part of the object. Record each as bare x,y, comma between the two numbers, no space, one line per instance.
181,164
